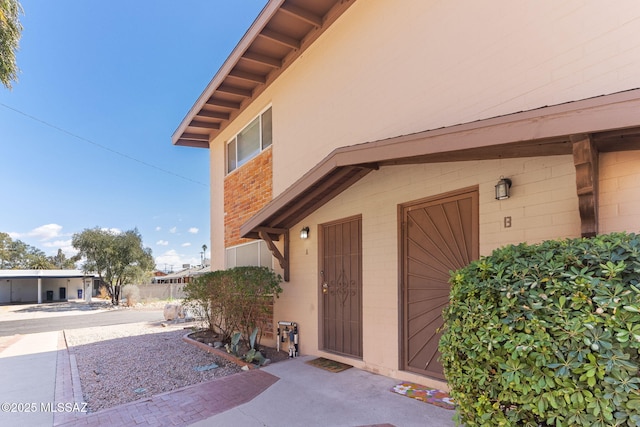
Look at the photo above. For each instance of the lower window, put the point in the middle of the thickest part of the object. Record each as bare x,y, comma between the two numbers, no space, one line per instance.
249,254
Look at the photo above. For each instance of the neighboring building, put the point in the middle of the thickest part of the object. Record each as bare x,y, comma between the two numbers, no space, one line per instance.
38,286
182,276
383,127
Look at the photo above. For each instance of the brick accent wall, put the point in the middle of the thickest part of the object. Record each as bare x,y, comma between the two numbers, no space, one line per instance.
246,191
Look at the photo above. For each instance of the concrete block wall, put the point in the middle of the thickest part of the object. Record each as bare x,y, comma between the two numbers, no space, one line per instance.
619,202
543,205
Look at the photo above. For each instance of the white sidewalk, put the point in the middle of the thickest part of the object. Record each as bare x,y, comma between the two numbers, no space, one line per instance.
28,378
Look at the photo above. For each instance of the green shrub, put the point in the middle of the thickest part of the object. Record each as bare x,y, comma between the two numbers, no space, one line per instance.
547,334
233,300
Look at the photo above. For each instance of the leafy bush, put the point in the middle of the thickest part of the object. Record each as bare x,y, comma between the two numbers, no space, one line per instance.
251,291
235,300
197,299
547,334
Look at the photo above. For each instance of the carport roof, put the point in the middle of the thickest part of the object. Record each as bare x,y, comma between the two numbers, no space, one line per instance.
30,274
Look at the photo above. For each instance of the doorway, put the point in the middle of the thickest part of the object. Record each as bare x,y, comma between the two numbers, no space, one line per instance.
439,235
341,286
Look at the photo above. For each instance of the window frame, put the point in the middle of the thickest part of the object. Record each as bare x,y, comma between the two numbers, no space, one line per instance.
233,142
231,252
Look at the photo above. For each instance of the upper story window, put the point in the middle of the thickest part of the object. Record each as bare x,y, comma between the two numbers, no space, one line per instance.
250,141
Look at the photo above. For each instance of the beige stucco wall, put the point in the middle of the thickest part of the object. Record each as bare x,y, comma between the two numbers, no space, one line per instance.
387,69
543,206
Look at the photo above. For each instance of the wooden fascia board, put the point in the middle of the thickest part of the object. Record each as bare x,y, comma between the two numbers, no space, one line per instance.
258,25
287,196
586,116
337,176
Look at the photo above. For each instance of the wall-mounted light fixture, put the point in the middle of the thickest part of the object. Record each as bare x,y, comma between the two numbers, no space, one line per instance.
304,233
502,188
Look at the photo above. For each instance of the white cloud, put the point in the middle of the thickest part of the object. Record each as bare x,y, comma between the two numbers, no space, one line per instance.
58,244
65,245
184,245
174,260
162,243
42,233
169,259
193,230
158,228
173,230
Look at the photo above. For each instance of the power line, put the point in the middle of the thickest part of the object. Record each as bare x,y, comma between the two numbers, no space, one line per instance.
81,138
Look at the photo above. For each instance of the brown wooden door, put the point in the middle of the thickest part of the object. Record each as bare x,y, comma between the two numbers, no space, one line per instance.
341,286
439,235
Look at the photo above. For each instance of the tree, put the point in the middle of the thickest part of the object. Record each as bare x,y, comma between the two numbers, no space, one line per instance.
204,254
5,242
60,261
15,254
10,32
118,258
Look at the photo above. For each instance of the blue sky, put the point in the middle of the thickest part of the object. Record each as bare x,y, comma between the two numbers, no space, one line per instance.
85,134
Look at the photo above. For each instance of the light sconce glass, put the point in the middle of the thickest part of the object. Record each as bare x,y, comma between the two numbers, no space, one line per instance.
304,233
502,188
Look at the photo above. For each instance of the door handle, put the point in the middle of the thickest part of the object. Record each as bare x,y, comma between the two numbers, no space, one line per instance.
325,285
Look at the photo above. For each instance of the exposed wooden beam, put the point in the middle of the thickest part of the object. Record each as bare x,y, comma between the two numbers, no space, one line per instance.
617,140
280,38
302,14
317,196
222,103
204,125
262,59
324,198
233,90
191,143
243,75
283,259
196,137
273,231
213,114
585,160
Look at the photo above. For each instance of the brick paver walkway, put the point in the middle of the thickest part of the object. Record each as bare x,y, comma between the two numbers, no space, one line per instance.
175,408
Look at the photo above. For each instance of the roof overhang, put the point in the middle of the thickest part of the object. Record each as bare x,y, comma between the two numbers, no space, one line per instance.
611,120
43,274
283,30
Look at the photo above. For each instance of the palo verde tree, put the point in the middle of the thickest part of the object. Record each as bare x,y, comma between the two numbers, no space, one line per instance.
10,32
117,257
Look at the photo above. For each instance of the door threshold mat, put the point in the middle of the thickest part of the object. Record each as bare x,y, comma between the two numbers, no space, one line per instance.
425,394
328,365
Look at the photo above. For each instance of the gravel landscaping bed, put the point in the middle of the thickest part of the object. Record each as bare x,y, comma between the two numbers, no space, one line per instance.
123,363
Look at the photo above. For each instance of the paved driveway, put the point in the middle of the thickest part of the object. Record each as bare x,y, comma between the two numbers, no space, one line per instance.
35,318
